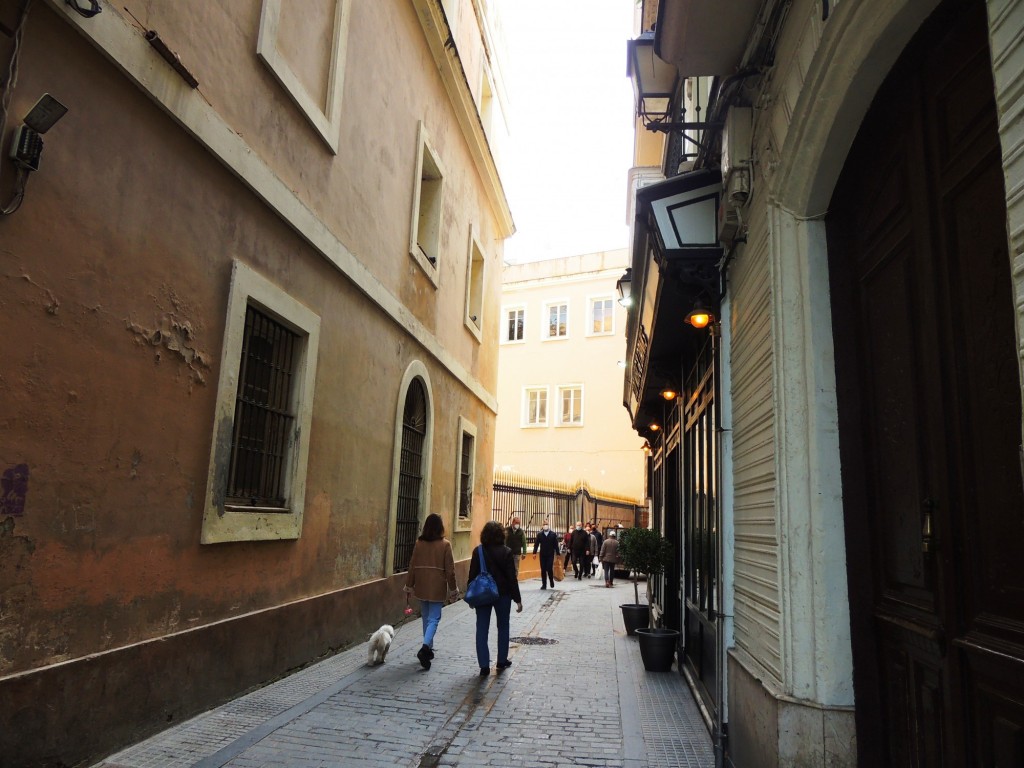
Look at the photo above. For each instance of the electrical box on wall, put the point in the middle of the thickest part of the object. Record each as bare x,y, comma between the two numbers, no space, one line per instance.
736,140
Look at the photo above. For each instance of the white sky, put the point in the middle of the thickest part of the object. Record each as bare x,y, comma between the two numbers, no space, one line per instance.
571,124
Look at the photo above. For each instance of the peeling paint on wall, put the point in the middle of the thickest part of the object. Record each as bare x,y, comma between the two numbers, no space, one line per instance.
175,336
13,490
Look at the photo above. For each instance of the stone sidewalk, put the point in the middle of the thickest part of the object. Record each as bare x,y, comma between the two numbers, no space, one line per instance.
577,694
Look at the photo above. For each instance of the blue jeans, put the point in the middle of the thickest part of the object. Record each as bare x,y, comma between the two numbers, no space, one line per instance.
502,608
431,613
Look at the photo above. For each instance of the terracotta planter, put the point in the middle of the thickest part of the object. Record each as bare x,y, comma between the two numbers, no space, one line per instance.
635,615
657,648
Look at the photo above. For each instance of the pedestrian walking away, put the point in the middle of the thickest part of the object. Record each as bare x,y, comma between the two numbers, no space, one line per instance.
547,544
431,580
515,539
609,554
498,559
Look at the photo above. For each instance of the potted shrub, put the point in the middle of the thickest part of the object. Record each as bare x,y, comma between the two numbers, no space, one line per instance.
647,552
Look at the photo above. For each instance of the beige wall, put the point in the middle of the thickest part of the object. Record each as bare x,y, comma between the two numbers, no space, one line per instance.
149,192
604,451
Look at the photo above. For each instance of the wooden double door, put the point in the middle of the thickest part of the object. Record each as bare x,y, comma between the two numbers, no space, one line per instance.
930,412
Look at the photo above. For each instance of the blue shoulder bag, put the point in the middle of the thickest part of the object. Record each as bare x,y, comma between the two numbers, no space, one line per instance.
482,590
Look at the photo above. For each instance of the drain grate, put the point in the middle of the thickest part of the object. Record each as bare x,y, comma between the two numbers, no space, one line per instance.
532,640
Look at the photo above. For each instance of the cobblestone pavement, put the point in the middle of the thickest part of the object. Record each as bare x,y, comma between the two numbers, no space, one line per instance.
577,694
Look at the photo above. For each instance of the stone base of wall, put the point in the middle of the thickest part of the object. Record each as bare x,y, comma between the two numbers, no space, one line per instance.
81,710
771,731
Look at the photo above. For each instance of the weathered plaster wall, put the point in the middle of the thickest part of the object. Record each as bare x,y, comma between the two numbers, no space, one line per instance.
115,277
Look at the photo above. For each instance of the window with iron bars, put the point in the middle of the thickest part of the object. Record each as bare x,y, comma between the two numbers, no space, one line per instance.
264,414
466,477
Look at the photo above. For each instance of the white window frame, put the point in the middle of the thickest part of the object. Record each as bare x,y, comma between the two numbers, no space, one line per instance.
560,390
476,280
525,415
466,427
546,320
224,522
505,311
591,303
326,120
427,232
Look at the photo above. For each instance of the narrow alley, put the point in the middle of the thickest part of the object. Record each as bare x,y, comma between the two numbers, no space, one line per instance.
577,694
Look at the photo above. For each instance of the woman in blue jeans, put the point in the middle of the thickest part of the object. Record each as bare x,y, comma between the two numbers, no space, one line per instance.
502,567
431,578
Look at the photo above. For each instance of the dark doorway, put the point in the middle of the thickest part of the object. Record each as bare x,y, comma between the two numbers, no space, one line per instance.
929,412
702,521
410,474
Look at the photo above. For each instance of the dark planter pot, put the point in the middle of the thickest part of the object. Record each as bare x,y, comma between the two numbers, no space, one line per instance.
635,615
657,648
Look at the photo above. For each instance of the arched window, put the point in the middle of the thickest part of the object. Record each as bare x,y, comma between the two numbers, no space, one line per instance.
410,474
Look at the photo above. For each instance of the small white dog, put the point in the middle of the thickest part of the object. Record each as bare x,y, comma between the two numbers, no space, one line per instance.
380,642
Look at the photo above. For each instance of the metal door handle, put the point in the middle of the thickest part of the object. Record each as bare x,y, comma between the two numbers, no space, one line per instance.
927,536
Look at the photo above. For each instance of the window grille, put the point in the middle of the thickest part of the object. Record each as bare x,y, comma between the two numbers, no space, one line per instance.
410,474
466,477
264,416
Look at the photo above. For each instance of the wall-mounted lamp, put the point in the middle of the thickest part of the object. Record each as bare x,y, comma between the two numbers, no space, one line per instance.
700,316
669,394
654,426
646,448
27,144
624,287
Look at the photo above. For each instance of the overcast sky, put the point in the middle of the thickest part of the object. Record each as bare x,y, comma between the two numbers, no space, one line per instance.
570,118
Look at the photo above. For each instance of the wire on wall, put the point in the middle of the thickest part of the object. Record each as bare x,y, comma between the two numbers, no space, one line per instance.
6,94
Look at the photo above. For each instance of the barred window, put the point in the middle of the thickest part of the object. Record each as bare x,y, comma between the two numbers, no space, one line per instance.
466,477
264,413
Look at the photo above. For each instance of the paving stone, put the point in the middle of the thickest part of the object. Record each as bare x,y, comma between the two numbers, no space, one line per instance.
582,700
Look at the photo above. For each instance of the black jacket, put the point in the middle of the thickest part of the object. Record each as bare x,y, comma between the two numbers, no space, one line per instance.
501,567
580,542
547,543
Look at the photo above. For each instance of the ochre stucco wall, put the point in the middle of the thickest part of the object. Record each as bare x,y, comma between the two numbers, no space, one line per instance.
116,276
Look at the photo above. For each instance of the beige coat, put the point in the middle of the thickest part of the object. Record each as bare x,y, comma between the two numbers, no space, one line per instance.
431,573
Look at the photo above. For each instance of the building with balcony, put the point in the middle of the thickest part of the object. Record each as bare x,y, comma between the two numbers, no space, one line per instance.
250,341
842,474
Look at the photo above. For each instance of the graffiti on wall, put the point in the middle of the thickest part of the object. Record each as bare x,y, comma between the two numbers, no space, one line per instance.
13,490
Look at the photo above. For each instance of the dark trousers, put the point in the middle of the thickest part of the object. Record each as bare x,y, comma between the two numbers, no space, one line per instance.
502,608
547,570
579,565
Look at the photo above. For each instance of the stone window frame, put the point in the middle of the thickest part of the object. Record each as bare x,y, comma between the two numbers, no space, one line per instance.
427,161
466,429
224,522
326,120
476,280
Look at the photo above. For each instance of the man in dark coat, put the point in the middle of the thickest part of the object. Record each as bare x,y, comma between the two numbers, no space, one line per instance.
580,547
547,543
